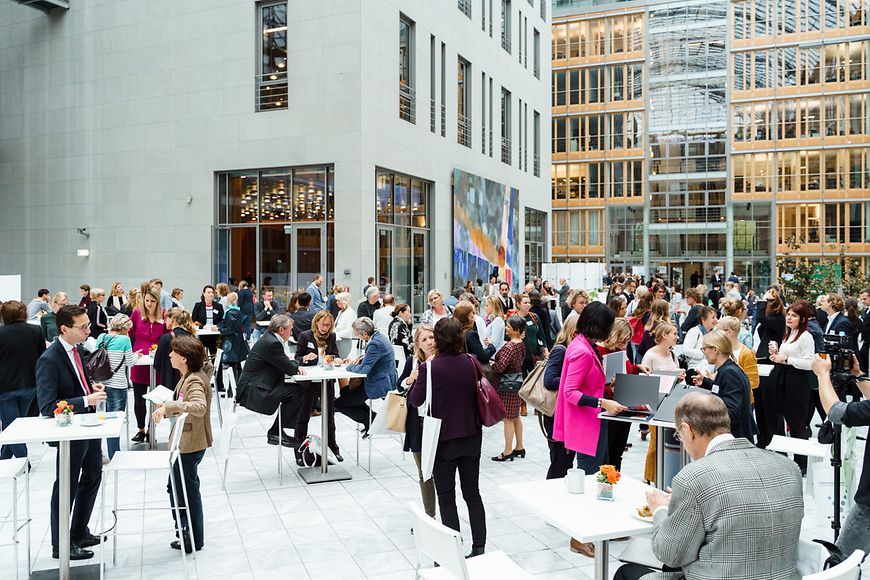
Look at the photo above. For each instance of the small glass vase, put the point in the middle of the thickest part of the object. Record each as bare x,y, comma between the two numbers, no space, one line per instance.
63,420
605,491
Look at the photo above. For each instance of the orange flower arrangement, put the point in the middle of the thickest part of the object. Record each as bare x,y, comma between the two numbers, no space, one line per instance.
63,408
608,474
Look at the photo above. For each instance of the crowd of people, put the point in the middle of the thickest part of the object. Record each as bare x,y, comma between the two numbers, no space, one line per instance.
479,330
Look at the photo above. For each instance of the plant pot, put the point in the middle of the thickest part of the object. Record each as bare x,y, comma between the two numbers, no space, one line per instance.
605,491
63,420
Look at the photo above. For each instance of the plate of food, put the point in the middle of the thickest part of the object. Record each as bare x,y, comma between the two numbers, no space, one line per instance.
643,513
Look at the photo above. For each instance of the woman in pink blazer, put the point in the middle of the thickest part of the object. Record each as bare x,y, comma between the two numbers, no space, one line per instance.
581,391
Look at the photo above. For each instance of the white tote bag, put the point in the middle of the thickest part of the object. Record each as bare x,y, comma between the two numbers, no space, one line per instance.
431,430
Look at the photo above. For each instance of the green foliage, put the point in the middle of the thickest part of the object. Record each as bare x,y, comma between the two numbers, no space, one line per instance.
801,279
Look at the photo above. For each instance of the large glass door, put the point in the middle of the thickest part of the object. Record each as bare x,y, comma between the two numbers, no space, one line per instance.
309,255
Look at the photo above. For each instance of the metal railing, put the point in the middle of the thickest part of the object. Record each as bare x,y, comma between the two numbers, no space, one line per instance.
490,141
443,121
537,70
407,100
536,165
506,41
483,139
432,117
463,130
506,150
271,91
464,7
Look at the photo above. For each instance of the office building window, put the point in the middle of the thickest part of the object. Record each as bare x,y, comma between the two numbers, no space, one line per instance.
433,83
407,94
464,7
443,90
483,113
536,242
463,102
536,160
506,25
505,126
271,81
536,47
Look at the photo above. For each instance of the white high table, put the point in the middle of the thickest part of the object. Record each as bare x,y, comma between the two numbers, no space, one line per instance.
317,373
37,430
148,360
583,516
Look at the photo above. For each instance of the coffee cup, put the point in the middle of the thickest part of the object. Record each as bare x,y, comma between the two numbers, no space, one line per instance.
576,480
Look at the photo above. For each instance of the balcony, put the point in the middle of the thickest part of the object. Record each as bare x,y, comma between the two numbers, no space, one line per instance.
463,130
483,139
537,70
271,90
506,150
407,100
536,165
432,117
464,7
443,121
506,40
490,142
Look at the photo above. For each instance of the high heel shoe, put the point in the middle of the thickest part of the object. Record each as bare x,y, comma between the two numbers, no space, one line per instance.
138,437
475,551
503,457
521,453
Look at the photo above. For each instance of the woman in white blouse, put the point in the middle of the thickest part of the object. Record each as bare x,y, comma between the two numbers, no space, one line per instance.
693,341
346,316
793,360
494,332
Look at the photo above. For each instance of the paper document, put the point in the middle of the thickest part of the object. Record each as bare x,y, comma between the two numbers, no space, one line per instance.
666,383
614,363
160,394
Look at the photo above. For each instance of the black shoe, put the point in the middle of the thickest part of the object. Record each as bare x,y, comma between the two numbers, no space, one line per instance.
88,540
475,551
285,441
75,553
337,455
188,545
503,457
138,437
521,453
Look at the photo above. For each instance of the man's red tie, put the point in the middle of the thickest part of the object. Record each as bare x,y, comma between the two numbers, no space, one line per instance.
81,370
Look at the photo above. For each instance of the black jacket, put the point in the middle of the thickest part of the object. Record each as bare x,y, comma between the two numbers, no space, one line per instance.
261,386
769,328
308,345
691,320
262,314
198,313
546,324
99,319
21,345
115,304
367,309
301,321
168,375
413,421
865,336
233,341
475,347
57,380
733,389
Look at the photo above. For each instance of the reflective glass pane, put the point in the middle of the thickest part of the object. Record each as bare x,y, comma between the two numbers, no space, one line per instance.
309,187
419,190
275,255
383,197
401,200
275,197
244,200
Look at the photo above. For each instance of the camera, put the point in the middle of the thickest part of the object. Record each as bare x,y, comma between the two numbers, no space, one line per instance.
839,349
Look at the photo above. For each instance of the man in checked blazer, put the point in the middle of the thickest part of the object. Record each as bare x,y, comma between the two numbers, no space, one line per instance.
735,511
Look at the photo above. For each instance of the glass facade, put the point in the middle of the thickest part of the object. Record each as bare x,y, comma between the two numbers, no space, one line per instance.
710,134
275,227
271,80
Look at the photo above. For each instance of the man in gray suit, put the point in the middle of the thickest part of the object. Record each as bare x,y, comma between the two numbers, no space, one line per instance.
735,511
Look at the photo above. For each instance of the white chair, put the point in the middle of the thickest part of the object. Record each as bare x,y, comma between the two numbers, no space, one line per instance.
439,543
216,396
848,569
228,429
147,461
15,469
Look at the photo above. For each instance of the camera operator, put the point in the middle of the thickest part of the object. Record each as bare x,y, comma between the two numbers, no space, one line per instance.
854,532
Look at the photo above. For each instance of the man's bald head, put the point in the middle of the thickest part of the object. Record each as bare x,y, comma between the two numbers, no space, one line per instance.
706,414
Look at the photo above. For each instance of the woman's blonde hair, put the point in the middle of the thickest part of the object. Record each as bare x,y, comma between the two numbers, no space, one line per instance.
496,305
660,311
418,351
182,319
731,306
97,292
663,329
728,323
134,299
232,298
59,297
157,312
620,333
120,323
222,289
343,297
574,295
432,293
568,332
718,339
115,287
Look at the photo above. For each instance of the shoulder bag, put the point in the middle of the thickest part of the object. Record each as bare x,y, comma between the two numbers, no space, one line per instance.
489,404
99,365
431,430
533,392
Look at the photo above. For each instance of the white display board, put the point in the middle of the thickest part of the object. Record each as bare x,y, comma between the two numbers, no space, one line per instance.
10,287
586,275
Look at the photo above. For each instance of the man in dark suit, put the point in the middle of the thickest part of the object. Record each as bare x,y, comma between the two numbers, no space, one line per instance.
303,316
261,387
246,306
61,376
504,294
865,330
265,309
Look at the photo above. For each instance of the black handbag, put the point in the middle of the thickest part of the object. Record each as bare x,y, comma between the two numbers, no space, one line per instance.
99,366
510,382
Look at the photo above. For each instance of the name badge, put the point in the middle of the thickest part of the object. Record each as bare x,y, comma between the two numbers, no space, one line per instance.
529,323
311,345
715,389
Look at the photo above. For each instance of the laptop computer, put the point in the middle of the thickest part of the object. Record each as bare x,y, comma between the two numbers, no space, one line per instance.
665,412
640,393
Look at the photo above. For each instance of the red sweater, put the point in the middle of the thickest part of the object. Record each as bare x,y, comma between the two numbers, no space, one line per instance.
630,368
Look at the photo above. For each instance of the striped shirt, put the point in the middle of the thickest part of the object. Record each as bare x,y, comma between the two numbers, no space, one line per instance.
119,349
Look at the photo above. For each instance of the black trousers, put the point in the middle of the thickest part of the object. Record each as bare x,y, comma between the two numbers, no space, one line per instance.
352,403
310,392
561,459
461,455
766,415
139,404
194,520
617,438
631,572
793,399
85,474
290,404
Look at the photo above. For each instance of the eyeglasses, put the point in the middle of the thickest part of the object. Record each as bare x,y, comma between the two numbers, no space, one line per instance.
83,327
677,436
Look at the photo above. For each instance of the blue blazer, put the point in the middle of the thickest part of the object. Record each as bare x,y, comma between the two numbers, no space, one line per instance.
57,380
379,366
